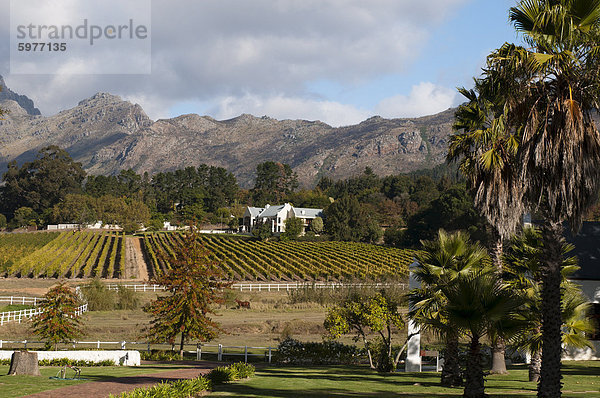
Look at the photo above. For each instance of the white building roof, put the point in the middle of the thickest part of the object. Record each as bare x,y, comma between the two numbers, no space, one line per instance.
304,212
255,211
271,211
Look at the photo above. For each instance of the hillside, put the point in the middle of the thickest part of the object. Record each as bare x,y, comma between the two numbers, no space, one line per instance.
107,134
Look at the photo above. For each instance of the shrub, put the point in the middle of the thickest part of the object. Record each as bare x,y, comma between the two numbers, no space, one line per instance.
160,355
243,370
98,297
179,388
222,374
294,352
127,299
65,361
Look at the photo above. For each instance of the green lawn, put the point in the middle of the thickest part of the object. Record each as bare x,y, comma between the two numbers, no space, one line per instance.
18,386
581,379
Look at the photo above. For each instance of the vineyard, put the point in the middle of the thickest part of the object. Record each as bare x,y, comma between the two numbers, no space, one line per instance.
241,259
13,247
69,254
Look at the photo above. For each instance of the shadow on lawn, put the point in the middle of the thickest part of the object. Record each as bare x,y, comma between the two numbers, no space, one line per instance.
244,390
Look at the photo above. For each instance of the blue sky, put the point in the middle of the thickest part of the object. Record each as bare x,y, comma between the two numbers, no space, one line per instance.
339,61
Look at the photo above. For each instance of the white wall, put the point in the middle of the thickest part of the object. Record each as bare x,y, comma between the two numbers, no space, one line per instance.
591,289
120,358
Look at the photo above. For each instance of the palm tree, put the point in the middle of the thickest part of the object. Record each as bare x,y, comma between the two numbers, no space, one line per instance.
477,303
560,145
486,149
440,262
522,273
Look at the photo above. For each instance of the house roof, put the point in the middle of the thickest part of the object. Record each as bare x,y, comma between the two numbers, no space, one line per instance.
587,249
255,211
304,212
271,211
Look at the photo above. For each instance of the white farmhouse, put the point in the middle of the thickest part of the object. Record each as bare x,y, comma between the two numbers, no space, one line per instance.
275,216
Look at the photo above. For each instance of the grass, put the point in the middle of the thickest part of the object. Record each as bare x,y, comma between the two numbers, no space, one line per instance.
18,386
581,379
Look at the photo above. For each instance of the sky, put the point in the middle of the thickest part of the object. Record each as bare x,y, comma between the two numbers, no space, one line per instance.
338,61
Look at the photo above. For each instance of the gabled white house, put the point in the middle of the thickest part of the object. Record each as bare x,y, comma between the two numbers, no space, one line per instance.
275,216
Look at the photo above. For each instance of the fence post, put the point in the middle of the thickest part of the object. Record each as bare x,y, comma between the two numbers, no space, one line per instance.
198,352
25,344
0,344
122,345
23,300
269,354
98,345
245,354
220,353
148,348
11,300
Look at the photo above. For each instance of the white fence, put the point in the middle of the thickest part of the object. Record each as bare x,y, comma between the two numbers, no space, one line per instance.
21,300
270,287
137,288
12,316
220,351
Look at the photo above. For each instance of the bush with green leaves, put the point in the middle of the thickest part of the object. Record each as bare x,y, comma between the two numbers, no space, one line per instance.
127,299
294,352
98,297
192,387
243,370
160,355
176,389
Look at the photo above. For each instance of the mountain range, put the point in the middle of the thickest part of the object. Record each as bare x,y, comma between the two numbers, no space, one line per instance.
107,134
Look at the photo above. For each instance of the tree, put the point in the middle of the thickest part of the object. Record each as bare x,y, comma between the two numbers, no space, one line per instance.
557,91
523,274
486,148
42,183
477,304
439,264
25,216
364,316
347,220
58,321
262,231
274,181
316,225
194,286
293,228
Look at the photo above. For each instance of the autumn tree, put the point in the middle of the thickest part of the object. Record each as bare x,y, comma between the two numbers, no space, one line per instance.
58,321
194,286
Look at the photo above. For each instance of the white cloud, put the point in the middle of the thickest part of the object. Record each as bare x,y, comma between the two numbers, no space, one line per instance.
424,99
260,54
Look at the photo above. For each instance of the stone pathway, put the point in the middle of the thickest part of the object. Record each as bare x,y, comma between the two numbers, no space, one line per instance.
118,385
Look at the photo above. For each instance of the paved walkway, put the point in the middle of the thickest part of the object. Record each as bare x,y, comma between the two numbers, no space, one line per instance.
102,389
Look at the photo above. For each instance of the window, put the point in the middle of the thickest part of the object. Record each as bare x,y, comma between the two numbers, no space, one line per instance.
278,220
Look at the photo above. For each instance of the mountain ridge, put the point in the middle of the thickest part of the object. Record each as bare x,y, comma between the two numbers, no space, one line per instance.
107,134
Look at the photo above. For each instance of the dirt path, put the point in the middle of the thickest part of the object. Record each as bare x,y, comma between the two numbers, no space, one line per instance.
135,266
102,389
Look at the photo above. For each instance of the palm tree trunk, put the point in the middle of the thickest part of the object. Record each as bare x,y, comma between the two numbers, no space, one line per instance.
534,366
550,385
451,369
474,383
498,360
498,347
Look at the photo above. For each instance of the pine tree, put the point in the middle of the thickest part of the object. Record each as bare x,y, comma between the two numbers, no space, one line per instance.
58,321
194,286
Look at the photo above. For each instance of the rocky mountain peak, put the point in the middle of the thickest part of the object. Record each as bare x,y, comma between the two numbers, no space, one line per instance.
23,101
